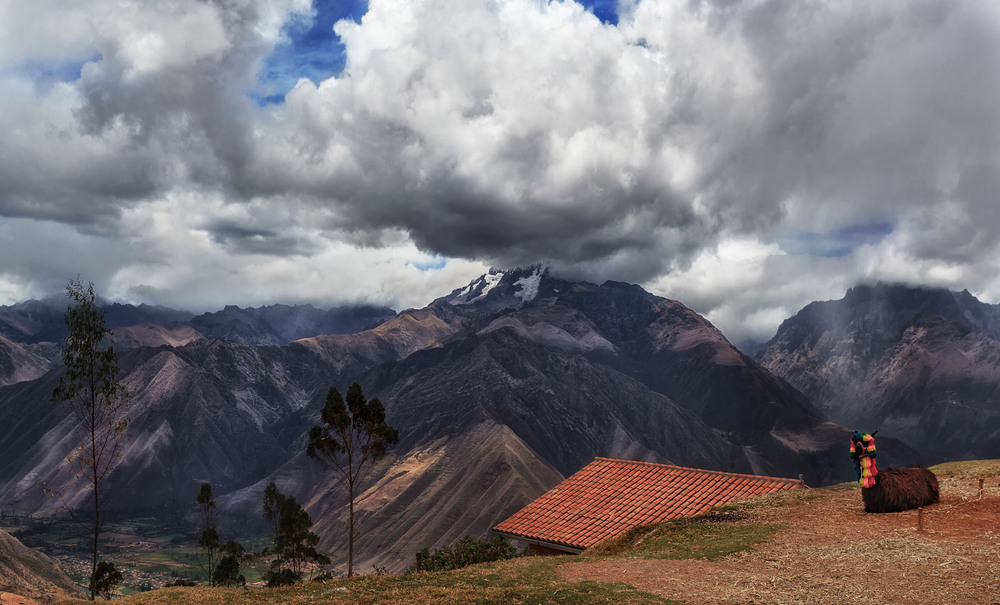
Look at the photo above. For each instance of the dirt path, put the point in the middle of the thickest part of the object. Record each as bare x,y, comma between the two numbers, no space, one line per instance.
833,552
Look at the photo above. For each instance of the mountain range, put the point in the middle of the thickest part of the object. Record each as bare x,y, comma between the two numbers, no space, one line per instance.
920,364
499,390
30,331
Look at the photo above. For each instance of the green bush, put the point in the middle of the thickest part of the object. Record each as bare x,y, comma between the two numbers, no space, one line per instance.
467,551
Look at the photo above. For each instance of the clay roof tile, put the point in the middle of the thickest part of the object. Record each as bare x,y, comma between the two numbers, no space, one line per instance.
607,497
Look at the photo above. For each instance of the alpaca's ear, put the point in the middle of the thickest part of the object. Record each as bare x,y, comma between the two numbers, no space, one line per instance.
875,432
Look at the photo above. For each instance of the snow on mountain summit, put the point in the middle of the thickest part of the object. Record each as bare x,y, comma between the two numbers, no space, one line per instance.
515,286
529,285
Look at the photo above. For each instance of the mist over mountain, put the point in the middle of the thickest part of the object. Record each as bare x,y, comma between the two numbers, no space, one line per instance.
36,321
921,364
281,324
42,321
499,389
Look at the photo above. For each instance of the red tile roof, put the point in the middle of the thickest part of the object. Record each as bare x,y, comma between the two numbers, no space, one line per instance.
608,497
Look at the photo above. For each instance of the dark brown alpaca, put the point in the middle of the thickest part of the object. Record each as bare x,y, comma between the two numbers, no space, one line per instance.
894,489
899,489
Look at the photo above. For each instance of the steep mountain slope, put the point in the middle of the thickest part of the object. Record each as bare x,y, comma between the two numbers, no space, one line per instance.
20,361
920,364
31,332
27,572
186,425
499,390
42,320
172,334
211,410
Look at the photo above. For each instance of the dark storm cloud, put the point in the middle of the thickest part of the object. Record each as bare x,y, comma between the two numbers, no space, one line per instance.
733,118
241,239
518,132
160,104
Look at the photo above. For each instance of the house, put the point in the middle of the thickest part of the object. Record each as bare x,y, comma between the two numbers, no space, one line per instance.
608,497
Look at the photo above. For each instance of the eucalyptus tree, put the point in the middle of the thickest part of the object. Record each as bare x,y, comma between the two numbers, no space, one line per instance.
352,437
209,541
89,386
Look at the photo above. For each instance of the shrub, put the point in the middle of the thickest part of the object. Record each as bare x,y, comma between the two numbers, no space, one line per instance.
229,571
105,579
281,577
467,551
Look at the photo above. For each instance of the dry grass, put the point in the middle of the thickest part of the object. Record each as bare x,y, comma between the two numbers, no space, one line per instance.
527,580
831,551
800,546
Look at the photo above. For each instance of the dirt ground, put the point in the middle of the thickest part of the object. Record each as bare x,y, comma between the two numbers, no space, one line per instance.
831,551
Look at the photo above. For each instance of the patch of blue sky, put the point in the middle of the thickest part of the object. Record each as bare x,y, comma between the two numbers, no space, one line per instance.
605,10
315,52
432,263
834,244
45,74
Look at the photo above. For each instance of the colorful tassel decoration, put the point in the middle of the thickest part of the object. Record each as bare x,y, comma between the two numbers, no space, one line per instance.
863,454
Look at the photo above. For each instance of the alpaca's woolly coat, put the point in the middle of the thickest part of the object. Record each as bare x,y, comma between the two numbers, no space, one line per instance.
898,489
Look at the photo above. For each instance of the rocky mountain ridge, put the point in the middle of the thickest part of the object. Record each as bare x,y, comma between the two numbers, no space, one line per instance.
922,364
36,321
31,332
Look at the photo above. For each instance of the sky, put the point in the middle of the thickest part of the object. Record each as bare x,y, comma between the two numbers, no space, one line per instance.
742,157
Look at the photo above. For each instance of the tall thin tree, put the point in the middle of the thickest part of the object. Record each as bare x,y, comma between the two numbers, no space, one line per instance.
352,437
89,385
209,541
